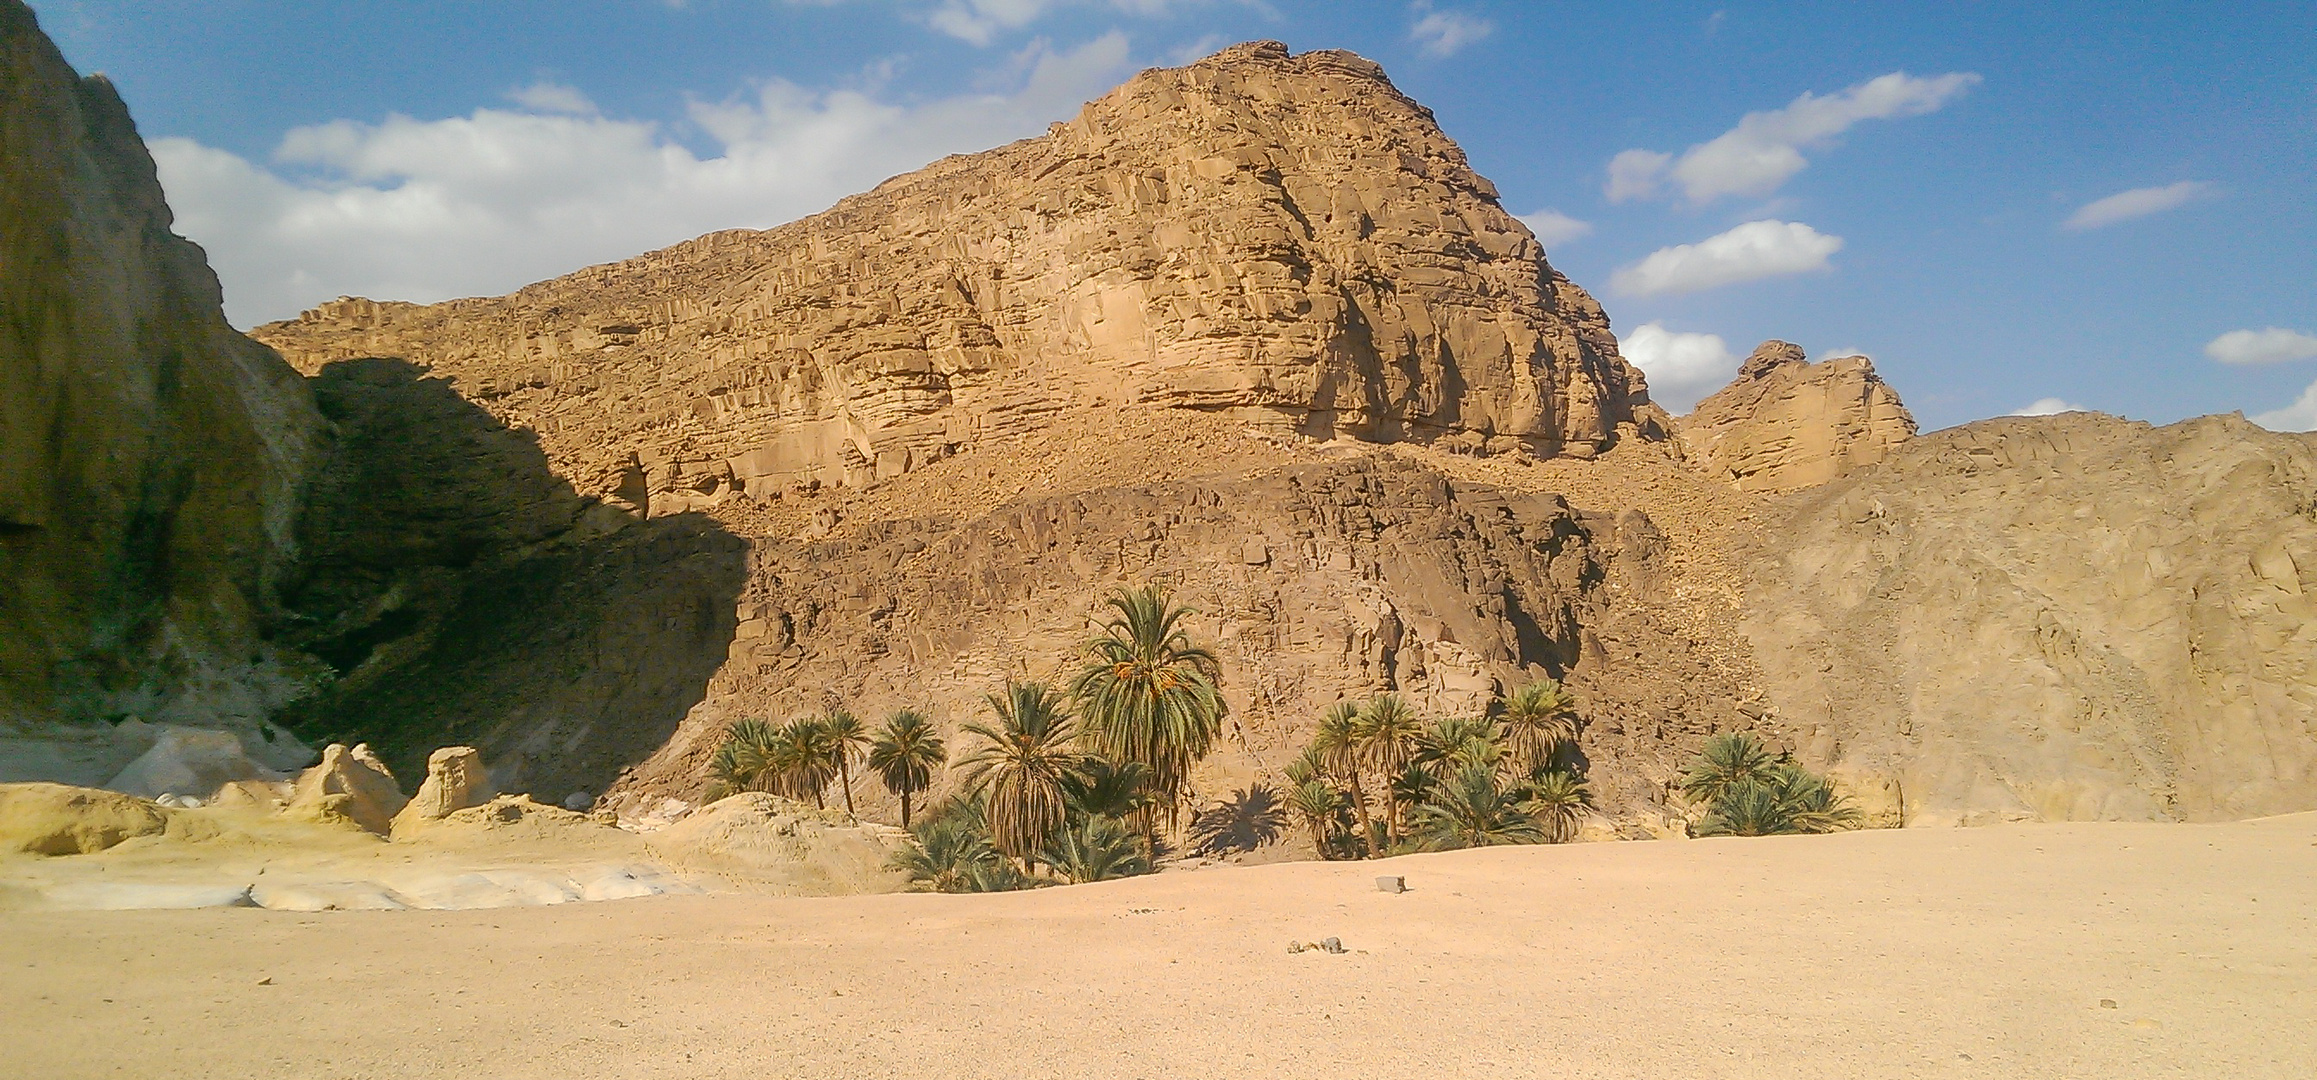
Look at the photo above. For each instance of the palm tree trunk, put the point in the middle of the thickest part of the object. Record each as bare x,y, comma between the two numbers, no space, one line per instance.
845,770
1360,805
1318,838
904,809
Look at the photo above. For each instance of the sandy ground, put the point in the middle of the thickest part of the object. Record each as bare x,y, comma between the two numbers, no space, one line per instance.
1923,953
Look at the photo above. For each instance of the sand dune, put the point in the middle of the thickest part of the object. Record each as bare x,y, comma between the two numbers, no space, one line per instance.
1917,953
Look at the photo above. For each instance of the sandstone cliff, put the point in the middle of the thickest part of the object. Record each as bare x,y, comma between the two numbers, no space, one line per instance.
1284,239
2066,618
149,455
1786,423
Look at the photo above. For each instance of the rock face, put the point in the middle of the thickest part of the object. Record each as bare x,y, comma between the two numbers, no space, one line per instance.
455,780
1786,423
1284,239
149,455
349,787
2064,618
1342,576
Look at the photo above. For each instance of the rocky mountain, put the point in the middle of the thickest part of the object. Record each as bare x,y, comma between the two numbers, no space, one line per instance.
1250,328
1786,423
2059,618
150,456
1285,240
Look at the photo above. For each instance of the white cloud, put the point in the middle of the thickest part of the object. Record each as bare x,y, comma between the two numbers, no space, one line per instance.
2138,202
553,98
1765,148
1750,252
1554,227
1825,355
2301,415
981,21
2269,345
2050,406
425,210
1682,368
1441,34
1633,174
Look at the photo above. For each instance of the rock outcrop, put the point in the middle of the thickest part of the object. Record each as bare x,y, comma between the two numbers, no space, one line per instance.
766,842
2072,617
56,819
349,787
455,780
149,455
1786,423
1283,239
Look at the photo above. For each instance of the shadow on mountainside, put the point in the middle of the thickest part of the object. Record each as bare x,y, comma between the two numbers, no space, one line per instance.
458,592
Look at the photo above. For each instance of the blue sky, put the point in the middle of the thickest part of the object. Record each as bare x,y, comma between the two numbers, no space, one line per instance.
2068,205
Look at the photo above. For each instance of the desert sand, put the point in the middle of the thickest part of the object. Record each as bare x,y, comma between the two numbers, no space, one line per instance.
2047,950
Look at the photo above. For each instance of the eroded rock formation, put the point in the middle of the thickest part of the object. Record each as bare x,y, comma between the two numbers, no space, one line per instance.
149,455
1285,239
1786,423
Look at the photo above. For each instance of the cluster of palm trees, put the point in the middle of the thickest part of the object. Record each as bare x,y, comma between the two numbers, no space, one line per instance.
1066,777
799,759
1453,782
1749,791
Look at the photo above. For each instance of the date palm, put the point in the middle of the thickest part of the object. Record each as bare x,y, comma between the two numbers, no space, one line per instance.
1338,747
1386,730
1539,719
1453,743
1097,849
905,754
1558,800
1316,803
804,760
1726,762
1148,695
742,760
847,738
1099,787
1019,768
1469,809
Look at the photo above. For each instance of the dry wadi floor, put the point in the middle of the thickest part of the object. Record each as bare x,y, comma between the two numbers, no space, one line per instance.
2102,951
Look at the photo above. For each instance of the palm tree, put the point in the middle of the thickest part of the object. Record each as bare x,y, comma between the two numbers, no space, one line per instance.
1316,803
848,736
1790,799
905,754
1386,729
803,760
1470,810
1337,746
1539,719
1019,768
1727,762
1099,787
953,853
742,759
1097,849
1149,695
1558,800
1455,742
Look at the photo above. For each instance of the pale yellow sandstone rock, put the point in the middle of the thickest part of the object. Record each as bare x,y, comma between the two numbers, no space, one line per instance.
349,787
455,780
1786,423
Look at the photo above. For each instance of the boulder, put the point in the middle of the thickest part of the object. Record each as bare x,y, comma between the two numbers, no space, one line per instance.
455,780
54,819
349,787
189,761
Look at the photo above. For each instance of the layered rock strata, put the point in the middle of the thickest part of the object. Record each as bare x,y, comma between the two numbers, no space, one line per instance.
1286,239
1786,423
149,455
